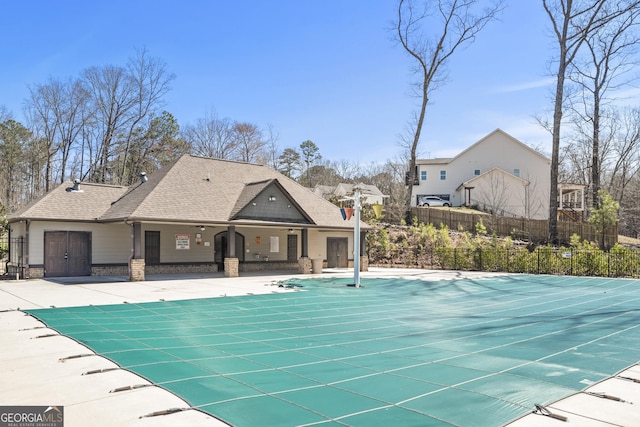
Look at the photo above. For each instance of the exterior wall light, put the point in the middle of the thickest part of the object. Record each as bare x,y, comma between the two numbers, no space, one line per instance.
272,198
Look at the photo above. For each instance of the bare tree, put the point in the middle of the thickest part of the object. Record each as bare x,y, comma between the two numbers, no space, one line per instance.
455,25
630,211
610,57
349,171
151,82
573,22
626,154
112,94
494,195
56,110
271,145
250,142
41,109
395,208
212,136
5,114
122,98
73,119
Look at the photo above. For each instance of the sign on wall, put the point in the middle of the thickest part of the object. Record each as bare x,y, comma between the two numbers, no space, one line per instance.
182,241
274,244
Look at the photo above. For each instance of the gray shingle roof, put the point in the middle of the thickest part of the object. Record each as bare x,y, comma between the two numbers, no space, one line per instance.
60,204
192,189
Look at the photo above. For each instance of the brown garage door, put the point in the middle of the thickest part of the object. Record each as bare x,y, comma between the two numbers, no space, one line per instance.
67,253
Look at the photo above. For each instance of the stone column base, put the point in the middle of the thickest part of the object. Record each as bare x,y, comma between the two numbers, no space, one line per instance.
136,269
304,265
231,267
364,263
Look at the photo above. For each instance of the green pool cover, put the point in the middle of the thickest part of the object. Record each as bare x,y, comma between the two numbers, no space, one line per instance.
393,352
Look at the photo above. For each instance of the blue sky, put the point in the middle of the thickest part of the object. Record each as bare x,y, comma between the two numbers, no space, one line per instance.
324,70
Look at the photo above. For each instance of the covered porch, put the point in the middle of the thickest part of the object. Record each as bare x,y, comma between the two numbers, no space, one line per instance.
234,249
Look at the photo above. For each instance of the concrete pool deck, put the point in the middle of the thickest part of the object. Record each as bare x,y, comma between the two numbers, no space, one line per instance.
41,367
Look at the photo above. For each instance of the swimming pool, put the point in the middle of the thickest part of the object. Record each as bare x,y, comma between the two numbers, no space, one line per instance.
409,352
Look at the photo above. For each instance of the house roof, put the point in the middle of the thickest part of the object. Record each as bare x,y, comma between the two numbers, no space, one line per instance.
343,189
436,161
488,173
322,190
192,189
365,189
62,203
479,142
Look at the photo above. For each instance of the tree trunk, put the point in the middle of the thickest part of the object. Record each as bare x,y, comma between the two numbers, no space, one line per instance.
555,153
595,154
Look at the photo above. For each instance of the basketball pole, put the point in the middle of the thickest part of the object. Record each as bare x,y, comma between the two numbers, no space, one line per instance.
356,236
356,240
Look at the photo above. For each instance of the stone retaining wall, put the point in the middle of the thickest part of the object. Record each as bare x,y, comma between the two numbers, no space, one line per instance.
268,266
178,268
110,270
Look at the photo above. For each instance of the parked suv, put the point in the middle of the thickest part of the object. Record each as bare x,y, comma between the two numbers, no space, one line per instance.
433,201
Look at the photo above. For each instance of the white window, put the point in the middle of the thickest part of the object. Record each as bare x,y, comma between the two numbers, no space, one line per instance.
476,172
423,175
516,172
443,175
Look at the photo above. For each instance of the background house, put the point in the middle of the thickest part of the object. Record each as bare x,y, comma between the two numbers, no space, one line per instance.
195,215
370,193
498,174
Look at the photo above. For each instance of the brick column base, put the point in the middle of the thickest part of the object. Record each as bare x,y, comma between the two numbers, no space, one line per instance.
364,263
304,265
231,267
136,269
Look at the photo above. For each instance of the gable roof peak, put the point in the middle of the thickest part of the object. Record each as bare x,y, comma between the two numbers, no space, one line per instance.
221,160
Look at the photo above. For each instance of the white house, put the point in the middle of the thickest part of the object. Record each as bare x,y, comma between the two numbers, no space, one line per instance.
498,173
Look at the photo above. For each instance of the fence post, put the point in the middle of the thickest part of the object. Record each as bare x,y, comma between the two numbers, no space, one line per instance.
455,258
506,259
571,263
431,257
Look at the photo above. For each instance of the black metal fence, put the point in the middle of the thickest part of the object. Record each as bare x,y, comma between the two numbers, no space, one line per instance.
11,257
573,262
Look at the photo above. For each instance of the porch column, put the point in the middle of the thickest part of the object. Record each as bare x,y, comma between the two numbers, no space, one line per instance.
364,259
305,243
231,241
231,263
137,240
136,263
304,263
